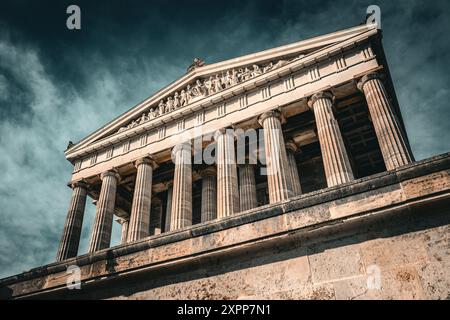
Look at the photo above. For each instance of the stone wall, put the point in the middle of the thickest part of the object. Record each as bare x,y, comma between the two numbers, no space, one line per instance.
410,249
322,245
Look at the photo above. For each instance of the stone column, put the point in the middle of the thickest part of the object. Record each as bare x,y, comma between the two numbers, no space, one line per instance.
209,194
334,155
227,182
291,149
247,187
278,176
70,239
181,213
101,233
124,234
139,225
169,206
390,137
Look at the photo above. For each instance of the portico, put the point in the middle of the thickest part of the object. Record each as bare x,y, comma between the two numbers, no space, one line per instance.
323,110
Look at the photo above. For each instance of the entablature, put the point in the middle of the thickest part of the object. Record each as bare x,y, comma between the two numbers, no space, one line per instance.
328,67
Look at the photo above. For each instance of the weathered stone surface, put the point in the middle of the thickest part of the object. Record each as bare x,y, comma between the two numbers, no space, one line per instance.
426,184
355,288
367,201
329,263
393,252
435,280
401,283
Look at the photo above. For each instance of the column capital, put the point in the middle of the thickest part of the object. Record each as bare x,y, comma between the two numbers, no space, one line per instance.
367,77
121,220
146,160
112,172
208,172
181,147
221,131
79,184
320,95
291,146
272,113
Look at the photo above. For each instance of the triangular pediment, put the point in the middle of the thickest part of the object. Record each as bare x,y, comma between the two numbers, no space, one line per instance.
203,80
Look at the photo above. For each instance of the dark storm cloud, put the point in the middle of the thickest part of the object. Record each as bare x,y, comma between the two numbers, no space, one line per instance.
58,85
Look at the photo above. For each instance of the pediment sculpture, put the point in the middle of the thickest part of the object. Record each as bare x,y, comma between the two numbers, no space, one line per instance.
204,87
197,63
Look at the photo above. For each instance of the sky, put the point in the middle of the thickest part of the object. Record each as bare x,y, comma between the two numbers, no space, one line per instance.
58,84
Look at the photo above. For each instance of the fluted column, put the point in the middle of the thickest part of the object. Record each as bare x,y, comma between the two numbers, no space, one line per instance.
291,149
70,239
227,182
278,175
139,225
334,155
124,233
390,136
101,233
209,194
181,214
247,187
168,206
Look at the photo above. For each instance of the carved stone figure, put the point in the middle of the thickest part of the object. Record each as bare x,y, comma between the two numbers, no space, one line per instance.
247,74
144,118
176,101
240,75
209,85
183,98
234,77
268,67
188,93
69,145
229,78
197,63
280,63
256,71
151,114
133,124
217,84
224,80
161,107
169,104
198,90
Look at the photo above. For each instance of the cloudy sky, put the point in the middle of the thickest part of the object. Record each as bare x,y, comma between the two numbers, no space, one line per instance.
58,85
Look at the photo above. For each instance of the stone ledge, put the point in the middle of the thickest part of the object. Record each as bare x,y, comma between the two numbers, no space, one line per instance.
307,211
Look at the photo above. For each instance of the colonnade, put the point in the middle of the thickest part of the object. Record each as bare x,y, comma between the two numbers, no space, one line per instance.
226,187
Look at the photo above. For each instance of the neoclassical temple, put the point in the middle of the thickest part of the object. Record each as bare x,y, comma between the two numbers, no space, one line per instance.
304,200
328,114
